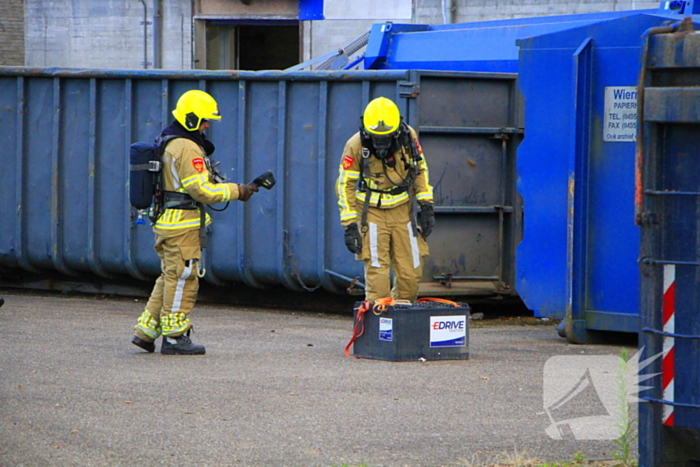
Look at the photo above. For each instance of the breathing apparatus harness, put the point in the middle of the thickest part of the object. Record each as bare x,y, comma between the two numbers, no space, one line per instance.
402,141
164,199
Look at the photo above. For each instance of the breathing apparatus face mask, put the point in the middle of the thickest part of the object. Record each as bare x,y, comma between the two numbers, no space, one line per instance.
382,145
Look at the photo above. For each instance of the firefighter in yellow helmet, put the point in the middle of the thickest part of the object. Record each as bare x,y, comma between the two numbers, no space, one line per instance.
188,182
386,201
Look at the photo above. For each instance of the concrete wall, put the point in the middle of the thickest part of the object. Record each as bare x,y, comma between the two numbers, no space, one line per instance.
106,34
11,32
176,35
111,33
84,34
323,37
346,21
466,11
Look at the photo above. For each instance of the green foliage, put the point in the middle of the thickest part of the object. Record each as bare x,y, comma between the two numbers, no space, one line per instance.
625,425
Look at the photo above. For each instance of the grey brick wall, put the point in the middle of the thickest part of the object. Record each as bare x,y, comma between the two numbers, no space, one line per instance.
11,32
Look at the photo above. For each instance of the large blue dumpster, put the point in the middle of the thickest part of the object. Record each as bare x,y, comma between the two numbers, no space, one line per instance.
669,215
576,166
65,134
578,256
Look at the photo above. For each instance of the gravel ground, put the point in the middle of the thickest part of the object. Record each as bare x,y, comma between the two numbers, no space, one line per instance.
275,389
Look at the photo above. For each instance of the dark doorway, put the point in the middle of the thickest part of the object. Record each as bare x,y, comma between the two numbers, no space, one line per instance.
260,46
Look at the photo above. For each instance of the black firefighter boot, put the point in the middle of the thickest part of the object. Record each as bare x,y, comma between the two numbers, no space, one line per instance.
181,345
145,345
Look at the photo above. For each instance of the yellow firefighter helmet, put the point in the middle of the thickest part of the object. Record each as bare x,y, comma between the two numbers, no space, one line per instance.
381,120
195,106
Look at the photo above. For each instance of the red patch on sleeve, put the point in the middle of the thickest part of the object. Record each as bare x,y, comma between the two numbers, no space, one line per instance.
420,148
198,164
347,162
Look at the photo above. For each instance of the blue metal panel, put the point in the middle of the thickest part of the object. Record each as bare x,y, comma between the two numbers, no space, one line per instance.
68,132
11,235
489,46
310,10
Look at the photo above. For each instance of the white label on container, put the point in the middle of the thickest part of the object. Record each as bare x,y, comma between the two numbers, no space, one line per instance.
448,331
386,328
620,122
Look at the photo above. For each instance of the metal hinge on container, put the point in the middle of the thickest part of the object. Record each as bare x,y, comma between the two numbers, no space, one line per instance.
408,89
647,218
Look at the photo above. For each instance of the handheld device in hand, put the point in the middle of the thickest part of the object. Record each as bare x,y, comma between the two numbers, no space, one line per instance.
266,180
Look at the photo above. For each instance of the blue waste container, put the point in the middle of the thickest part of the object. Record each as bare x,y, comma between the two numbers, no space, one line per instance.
66,134
668,212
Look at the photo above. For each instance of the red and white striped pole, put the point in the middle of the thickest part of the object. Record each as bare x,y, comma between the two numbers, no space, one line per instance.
668,368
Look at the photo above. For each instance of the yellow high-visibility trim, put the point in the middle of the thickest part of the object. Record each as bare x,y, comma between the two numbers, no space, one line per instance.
425,195
172,220
221,189
348,215
216,190
174,323
193,179
347,210
178,225
148,325
387,200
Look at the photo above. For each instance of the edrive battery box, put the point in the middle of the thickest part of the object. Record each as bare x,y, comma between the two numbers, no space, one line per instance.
430,330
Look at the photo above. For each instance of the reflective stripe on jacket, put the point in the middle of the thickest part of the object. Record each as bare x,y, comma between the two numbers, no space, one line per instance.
186,170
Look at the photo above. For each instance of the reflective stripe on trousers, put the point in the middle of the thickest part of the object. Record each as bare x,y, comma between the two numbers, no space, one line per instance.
389,244
175,291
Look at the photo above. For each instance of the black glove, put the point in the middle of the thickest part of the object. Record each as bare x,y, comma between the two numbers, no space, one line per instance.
353,239
246,191
426,219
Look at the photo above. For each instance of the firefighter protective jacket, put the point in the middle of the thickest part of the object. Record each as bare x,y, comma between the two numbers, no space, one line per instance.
379,177
186,170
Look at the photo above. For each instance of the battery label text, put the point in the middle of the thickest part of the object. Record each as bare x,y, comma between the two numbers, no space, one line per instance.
448,331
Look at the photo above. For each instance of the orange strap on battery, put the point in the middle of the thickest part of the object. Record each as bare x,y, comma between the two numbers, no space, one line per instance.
378,307
440,300
358,327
